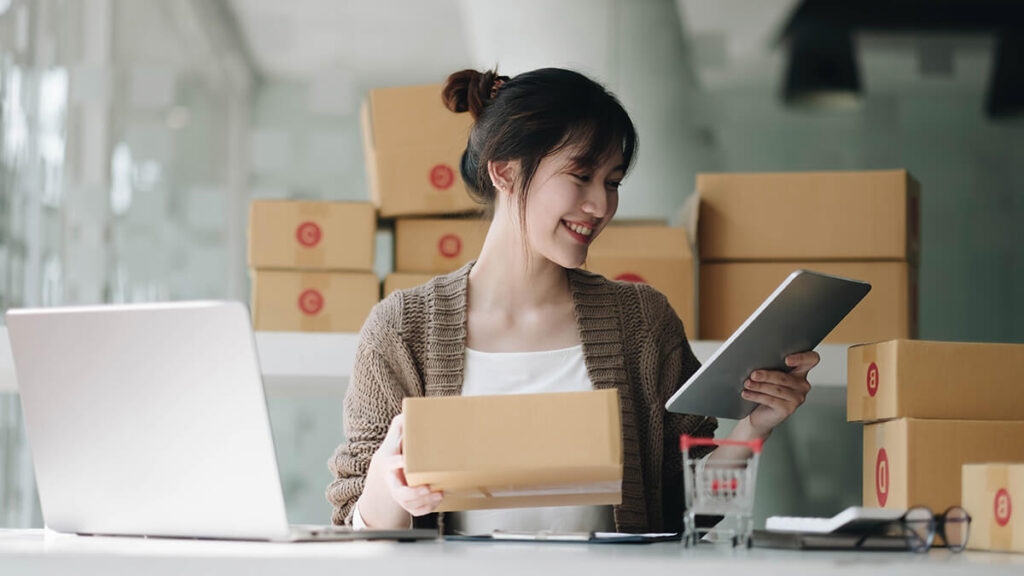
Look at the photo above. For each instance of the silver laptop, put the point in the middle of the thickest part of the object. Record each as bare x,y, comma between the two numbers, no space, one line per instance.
151,420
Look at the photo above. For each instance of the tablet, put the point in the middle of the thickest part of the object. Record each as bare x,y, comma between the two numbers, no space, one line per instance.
795,318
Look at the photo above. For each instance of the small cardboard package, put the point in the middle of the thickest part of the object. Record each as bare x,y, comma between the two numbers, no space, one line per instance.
809,216
285,234
403,280
295,301
731,291
941,380
516,451
910,462
656,255
413,147
437,245
990,492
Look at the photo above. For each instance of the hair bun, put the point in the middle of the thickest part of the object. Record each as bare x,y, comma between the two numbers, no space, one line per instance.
468,90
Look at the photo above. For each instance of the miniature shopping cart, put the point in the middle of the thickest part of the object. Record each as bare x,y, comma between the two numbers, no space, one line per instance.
722,486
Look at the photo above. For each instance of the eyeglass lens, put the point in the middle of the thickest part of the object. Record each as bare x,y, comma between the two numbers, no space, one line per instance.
955,528
919,528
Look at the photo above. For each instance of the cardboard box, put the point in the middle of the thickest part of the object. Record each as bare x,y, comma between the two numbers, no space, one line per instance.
413,147
312,301
910,462
809,216
657,255
516,451
285,234
403,280
437,245
942,380
990,492
730,292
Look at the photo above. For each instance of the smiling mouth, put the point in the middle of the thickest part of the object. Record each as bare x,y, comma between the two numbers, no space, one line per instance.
579,231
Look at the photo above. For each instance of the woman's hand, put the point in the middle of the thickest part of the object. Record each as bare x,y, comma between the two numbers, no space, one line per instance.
778,393
387,498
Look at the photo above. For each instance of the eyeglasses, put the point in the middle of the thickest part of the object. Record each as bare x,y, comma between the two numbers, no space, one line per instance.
919,526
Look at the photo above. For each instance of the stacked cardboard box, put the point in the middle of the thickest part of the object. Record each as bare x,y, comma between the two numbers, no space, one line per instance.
311,265
413,147
426,247
756,229
929,408
654,254
989,493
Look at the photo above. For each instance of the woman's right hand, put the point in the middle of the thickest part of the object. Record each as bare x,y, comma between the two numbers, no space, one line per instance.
387,470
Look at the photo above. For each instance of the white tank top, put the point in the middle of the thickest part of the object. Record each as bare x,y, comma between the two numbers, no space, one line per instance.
529,373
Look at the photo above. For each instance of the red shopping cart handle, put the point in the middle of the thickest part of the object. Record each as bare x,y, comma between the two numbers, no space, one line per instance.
686,442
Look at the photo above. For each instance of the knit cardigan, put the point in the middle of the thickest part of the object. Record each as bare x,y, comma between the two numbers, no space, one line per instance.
414,342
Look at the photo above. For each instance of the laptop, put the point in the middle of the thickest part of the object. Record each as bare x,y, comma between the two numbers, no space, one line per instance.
151,420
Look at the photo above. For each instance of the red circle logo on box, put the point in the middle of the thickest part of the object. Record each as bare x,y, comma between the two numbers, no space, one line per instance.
1003,507
311,302
442,177
882,477
449,245
308,234
631,277
872,379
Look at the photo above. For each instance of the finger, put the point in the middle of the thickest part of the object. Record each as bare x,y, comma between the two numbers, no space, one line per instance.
802,363
400,482
395,478
425,505
783,393
764,399
775,377
424,509
419,505
395,462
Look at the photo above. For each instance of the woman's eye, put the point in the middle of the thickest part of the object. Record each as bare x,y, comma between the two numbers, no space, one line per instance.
614,185
582,177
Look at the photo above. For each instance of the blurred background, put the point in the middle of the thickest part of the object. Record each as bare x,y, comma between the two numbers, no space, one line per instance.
134,133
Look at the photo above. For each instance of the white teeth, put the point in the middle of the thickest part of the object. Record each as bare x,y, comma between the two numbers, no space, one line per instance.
581,230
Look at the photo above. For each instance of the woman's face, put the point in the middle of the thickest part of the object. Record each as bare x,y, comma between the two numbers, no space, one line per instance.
568,206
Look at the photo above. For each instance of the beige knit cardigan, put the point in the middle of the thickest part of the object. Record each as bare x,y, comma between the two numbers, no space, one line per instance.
414,342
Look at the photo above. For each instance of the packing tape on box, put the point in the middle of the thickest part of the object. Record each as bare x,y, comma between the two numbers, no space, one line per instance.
320,320
1000,537
313,256
868,404
868,408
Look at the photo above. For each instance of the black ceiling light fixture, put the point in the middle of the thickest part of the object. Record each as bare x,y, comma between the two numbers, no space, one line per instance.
1006,81
822,68
822,71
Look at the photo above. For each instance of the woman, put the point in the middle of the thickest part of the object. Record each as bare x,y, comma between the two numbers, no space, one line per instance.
546,155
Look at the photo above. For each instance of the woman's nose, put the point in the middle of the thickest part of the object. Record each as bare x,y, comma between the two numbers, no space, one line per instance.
596,202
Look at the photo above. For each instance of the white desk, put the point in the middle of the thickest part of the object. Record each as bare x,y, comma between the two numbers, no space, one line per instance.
323,361
36,552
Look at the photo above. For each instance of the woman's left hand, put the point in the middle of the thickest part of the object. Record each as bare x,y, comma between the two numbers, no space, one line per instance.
778,393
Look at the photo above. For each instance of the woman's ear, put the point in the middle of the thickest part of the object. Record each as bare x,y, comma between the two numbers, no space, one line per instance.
503,174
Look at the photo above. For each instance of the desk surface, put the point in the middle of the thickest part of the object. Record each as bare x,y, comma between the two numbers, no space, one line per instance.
321,360
42,552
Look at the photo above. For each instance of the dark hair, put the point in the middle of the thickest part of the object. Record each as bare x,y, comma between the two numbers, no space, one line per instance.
531,116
